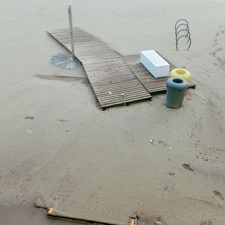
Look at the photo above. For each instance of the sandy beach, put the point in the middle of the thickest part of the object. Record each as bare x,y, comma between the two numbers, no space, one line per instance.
57,147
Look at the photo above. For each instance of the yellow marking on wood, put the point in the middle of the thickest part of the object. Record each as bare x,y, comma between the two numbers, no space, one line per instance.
50,210
132,221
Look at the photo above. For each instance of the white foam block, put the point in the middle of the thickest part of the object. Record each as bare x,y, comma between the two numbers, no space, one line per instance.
154,63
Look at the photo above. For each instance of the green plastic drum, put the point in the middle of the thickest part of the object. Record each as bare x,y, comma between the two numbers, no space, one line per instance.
175,90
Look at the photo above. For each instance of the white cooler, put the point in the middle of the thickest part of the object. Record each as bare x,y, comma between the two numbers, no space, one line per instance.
154,63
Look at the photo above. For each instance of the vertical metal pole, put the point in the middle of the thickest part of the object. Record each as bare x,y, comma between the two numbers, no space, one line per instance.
71,29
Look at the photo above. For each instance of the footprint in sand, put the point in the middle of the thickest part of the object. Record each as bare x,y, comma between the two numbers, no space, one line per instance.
218,195
217,49
188,167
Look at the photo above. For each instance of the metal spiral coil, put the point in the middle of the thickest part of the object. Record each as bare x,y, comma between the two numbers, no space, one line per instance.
182,31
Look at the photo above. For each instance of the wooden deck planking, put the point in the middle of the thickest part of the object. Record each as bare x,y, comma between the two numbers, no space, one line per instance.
109,72
123,93
112,80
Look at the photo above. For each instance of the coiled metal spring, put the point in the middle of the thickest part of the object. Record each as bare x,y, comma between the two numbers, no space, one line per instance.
182,31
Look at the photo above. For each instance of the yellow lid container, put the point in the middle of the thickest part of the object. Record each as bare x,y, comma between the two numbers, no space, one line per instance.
180,73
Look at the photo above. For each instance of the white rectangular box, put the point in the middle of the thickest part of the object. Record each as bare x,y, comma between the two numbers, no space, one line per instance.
154,63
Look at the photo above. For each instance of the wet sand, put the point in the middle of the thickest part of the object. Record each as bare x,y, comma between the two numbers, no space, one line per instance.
53,131
26,214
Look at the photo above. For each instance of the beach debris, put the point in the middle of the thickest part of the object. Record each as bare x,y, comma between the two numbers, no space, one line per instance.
29,118
63,120
122,97
182,31
157,223
67,130
110,92
188,167
165,145
152,141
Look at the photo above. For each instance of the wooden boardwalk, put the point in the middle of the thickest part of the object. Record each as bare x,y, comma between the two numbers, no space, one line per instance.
115,79
111,79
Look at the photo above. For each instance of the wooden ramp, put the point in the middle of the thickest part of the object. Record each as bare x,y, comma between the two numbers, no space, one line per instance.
115,79
111,79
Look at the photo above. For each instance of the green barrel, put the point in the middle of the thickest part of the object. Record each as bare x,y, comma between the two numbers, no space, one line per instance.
175,90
